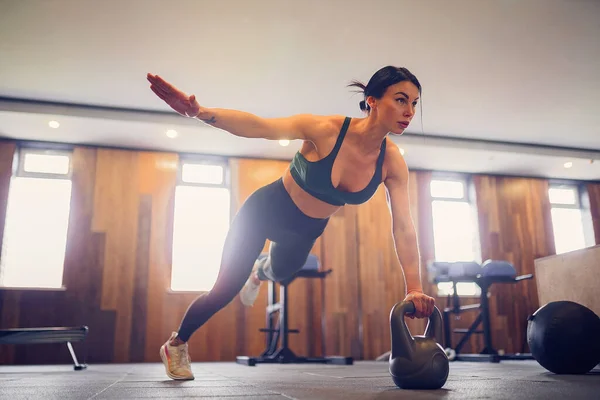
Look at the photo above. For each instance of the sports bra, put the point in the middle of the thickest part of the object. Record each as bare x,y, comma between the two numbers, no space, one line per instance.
315,176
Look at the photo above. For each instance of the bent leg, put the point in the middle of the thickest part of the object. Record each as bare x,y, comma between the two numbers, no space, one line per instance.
285,259
243,244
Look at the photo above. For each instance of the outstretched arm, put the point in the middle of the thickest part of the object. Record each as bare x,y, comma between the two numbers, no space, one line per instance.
238,123
244,124
404,232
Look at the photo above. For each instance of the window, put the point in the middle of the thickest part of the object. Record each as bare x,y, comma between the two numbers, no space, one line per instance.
455,229
201,222
571,222
37,219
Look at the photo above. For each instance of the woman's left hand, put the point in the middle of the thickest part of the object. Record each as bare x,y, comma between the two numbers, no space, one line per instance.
423,304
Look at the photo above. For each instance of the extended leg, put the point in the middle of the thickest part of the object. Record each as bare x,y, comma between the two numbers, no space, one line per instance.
243,244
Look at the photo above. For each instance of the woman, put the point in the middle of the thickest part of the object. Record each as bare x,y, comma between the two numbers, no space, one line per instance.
342,161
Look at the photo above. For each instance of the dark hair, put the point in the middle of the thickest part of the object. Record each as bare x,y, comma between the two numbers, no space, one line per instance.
381,80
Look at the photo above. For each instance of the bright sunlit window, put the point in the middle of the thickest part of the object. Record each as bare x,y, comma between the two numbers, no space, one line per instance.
37,219
455,230
568,219
201,222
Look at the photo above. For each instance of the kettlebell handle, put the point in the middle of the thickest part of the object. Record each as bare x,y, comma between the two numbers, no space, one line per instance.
402,340
407,307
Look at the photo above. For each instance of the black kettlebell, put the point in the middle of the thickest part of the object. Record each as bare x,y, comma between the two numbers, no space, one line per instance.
417,362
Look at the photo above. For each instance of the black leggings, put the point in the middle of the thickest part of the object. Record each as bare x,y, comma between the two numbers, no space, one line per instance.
269,213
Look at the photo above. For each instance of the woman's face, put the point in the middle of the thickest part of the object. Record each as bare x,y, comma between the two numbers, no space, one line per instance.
396,108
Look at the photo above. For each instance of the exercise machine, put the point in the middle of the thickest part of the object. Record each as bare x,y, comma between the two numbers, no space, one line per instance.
49,335
485,275
276,353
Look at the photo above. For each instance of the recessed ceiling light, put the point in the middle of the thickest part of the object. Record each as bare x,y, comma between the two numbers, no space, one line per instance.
53,124
172,133
284,142
568,164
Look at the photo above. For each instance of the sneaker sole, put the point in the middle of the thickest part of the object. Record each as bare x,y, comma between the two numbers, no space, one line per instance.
163,357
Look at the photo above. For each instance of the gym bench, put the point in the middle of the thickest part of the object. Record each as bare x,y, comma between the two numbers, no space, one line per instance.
484,275
284,355
48,335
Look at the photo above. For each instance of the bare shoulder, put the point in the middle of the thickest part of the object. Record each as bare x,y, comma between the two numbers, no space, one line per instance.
316,127
395,165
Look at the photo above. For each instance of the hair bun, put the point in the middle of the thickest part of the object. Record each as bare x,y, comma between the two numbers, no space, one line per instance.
364,106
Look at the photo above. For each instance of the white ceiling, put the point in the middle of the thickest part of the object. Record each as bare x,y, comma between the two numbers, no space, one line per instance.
515,72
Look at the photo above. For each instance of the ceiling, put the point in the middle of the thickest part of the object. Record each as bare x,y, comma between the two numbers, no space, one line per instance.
508,87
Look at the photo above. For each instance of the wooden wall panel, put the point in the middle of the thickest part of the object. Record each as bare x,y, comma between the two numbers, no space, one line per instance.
139,306
115,214
381,282
381,276
84,261
157,182
341,288
594,195
118,266
515,225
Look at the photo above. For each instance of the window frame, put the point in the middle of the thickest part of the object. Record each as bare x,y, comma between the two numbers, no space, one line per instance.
581,203
204,160
18,171
22,152
566,185
453,177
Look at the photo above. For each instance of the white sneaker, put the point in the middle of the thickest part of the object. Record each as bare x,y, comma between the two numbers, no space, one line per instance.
250,291
176,359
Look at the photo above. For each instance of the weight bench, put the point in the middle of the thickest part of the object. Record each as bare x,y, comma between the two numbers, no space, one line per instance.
48,335
485,275
283,354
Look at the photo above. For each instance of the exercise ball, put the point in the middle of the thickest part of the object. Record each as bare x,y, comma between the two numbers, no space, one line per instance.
564,337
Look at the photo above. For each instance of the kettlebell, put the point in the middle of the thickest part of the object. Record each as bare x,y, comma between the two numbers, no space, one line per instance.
417,362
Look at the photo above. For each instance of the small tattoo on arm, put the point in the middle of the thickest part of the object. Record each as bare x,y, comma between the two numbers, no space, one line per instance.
212,120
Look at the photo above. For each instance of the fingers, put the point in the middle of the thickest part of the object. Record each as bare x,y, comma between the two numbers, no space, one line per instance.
423,305
159,89
416,300
158,92
161,84
427,304
170,100
155,79
431,305
178,100
162,93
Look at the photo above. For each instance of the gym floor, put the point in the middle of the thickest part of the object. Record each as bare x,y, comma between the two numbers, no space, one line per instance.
363,380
